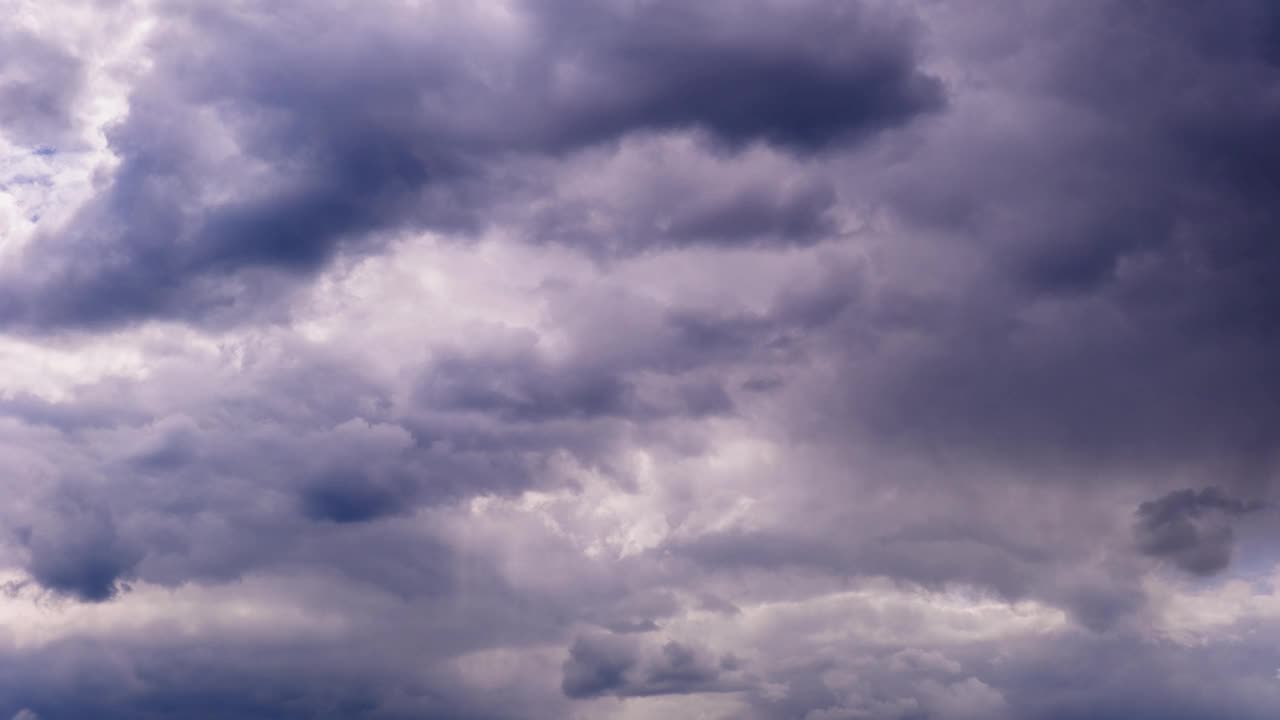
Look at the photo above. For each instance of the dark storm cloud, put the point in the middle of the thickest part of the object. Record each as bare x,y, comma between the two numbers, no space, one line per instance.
903,417
77,551
39,83
1191,528
400,119
597,665
351,498
1109,238
802,75
618,665
1078,310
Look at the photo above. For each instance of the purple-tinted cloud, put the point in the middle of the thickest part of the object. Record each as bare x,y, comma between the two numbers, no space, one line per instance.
644,359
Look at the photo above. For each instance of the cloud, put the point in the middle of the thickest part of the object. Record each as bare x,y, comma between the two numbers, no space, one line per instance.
767,75
78,552
394,122
613,664
1191,528
347,499
650,192
1095,230
39,85
637,358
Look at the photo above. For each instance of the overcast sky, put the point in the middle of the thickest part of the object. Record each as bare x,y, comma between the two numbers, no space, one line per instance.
640,359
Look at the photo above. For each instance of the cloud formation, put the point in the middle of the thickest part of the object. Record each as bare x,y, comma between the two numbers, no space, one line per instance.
1191,528
253,154
639,359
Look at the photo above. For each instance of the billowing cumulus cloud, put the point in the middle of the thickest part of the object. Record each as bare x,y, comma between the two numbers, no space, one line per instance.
265,141
639,359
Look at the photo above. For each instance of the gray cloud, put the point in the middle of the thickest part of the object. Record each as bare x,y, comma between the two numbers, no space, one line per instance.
79,552
1191,528
1108,230
616,665
39,84
550,359
401,119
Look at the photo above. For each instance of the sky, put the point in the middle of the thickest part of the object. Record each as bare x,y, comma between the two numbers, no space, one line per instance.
639,359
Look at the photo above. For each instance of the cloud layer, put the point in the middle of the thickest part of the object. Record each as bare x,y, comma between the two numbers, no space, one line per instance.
639,359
